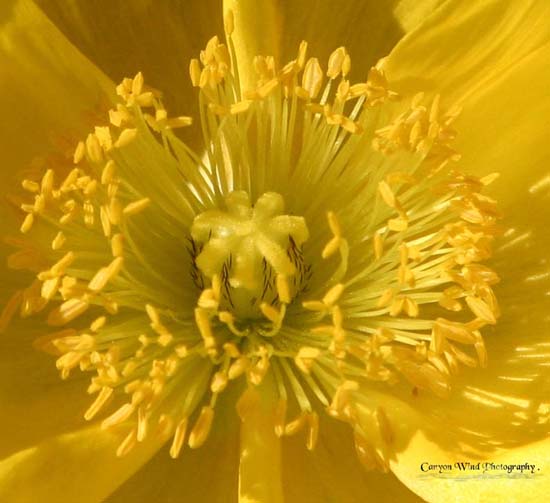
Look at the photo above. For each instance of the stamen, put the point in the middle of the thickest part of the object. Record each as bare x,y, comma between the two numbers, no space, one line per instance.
200,431
179,438
100,401
127,444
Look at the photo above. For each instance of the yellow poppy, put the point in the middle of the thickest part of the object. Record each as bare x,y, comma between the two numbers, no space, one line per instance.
268,270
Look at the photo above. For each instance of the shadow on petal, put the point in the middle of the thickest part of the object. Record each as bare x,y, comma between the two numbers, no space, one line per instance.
209,473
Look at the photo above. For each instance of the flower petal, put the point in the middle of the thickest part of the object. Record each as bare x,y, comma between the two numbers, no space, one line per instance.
209,473
465,46
47,86
79,466
485,56
30,383
411,13
156,38
260,455
512,136
498,51
332,471
254,35
418,437
506,405
368,29
511,488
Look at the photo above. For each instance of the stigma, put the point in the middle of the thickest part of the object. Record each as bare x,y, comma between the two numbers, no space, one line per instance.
323,236
254,252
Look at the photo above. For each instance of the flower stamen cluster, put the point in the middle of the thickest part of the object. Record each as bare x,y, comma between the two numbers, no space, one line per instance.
314,241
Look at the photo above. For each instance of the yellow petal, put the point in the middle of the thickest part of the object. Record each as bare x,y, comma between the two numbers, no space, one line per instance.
368,29
260,453
422,436
78,466
47,86
508,401
208,474
253,34
332,471
501,78
30,389
502,128
465,46
157,38
504,488
499,51
410,13
511,136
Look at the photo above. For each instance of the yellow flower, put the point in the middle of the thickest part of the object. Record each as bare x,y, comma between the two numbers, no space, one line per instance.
272,262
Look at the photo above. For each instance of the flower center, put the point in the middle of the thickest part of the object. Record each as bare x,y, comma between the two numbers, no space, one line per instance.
251,253
390,293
